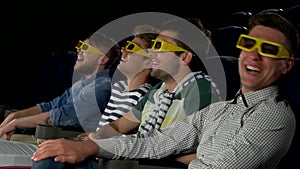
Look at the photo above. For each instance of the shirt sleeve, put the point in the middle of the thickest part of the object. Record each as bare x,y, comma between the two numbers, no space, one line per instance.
56,102
152,144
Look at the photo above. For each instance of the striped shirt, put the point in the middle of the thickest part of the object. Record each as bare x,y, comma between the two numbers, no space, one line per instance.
254,130
121,101
194,92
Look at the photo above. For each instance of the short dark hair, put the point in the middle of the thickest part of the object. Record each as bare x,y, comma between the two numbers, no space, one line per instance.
192,37
278,22
110,47
146,33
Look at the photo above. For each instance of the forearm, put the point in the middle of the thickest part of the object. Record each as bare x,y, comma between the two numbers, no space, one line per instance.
131,147
186,158
91,148
121,126
19,114
152,144
31,121
27,112
106,131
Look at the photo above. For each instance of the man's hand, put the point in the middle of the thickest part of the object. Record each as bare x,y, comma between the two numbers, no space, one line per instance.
186,158
8,129
84,136
8,119
19,114
66,150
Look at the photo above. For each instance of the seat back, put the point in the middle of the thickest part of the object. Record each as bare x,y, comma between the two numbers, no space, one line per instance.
293,14
291,91
230,70
224,40
279,11
238,19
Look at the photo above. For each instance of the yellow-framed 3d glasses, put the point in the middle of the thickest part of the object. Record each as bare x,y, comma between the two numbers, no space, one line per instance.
265,48
163,46
135,48
84,47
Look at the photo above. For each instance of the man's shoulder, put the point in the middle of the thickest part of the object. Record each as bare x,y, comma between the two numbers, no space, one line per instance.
200,80
103,74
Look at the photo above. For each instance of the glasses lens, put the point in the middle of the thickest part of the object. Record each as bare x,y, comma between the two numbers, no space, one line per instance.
85,47
247,43
157,45
130,47
269,49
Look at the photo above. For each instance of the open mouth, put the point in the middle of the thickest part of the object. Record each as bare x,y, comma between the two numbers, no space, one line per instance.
123,60
80,58
155,62
252,69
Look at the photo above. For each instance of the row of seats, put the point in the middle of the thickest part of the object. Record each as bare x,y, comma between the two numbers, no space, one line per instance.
290,90
225,37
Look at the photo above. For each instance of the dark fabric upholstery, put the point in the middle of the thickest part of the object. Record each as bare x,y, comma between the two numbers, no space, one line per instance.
290,89
224,40
230,68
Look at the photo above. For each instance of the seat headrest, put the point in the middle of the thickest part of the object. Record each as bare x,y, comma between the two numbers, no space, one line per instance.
290,86
228,65
224,40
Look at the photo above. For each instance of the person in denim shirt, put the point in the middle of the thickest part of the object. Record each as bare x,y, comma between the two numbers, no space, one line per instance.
135,80
82,104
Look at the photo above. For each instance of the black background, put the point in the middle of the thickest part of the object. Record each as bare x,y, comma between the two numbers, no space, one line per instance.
33,33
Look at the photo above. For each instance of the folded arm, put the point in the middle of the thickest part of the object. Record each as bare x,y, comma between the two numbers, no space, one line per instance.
25,122
123,125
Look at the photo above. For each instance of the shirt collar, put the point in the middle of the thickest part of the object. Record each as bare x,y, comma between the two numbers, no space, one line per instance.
184,82
103,73
251,98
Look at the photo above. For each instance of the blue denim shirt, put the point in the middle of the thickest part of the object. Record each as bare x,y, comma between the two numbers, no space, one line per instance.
82,104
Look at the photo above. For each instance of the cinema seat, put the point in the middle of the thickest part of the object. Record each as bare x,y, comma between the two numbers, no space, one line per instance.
225,38
291,91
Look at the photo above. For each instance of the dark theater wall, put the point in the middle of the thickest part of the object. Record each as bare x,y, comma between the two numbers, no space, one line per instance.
36,36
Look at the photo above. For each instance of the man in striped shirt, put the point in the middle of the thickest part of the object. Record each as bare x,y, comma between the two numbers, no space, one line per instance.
135,66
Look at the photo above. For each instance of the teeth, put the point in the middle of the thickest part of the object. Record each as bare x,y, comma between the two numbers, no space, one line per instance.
155,61
253,68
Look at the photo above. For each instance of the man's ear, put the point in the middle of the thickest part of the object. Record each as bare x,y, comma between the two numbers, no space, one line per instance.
289,64
104,60
186,57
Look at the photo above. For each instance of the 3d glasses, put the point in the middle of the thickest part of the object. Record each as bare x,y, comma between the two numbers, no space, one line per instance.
135,48
84,47
163,46
265,48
